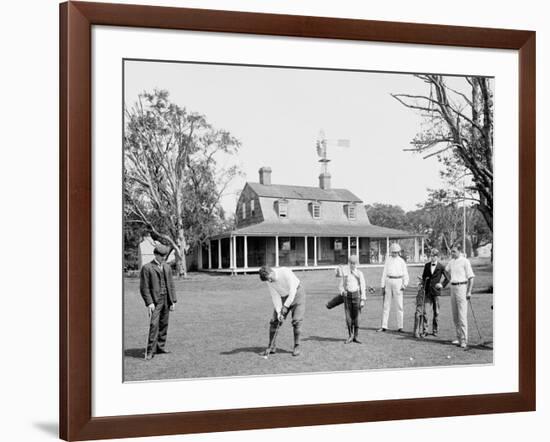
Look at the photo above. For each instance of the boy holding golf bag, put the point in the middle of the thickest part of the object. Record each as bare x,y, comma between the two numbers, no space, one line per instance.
288,295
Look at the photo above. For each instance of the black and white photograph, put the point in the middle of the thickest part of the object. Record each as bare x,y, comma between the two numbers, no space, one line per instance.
287,220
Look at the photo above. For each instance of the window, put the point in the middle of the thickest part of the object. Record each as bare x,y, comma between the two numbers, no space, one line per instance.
351,212
283,208
316,210
252,207
243,207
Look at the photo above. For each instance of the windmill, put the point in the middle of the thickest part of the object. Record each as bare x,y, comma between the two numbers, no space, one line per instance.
322,147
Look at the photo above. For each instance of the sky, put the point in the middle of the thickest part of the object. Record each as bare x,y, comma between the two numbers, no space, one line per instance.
277,114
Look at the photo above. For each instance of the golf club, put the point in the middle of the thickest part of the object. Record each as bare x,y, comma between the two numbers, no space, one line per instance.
482,342
148,332
272,343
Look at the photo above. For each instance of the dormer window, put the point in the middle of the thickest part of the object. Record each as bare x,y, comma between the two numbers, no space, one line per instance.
252,207
243,208
351,211
282,207
315,208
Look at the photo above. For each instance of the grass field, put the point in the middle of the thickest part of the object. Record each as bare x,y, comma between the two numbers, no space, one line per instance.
221,324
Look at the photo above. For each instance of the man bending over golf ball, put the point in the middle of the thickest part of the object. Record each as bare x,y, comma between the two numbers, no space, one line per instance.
288,295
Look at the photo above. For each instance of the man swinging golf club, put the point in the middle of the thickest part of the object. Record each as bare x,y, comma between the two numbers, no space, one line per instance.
462,282
288,295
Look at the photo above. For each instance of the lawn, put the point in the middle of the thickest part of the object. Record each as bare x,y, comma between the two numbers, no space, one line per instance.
221,324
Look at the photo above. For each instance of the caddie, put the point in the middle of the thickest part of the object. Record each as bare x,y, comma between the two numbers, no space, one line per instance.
462,282
287,295
353,290
395,279
156,286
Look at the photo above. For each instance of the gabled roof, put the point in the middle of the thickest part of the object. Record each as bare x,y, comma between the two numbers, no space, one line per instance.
303,192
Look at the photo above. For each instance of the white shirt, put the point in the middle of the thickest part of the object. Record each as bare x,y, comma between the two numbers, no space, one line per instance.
395,267
286,283
460,269
352,281
433,266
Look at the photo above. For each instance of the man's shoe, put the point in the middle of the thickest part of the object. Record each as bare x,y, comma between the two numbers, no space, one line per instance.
455,342
149,356
435,333
297,351
349,340
417,336
357,341
399,330
162,351
463,345
381,329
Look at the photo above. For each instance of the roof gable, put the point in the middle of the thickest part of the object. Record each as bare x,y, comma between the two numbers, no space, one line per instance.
303,192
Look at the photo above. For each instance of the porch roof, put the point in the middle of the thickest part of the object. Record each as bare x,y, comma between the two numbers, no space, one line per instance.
361,230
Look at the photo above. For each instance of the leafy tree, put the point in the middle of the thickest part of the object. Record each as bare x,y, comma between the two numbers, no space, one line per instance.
176,168
459,130
386,215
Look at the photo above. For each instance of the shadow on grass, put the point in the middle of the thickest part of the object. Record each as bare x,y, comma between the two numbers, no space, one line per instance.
256,350
323,339
138,353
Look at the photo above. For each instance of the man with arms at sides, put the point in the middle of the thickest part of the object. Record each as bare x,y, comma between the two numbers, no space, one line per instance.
433,272
395,279
156,286
288,295
462,282
353,289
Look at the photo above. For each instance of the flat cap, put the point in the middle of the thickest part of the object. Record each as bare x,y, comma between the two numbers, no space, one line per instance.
161,249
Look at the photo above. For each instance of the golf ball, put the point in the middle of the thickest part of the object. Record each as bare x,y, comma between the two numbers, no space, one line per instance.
265,357
411,359
448,357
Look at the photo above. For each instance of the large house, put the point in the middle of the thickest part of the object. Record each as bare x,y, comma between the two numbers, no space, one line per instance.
301,227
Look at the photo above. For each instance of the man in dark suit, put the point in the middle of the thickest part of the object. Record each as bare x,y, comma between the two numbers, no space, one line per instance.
156,286
433,272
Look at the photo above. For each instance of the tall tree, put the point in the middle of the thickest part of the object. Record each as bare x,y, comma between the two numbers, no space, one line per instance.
459,130
176,168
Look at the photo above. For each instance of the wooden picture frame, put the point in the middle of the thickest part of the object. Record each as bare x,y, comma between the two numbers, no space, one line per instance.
76,21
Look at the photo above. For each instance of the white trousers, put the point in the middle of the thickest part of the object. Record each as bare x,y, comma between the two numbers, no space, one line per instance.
459,306
394,295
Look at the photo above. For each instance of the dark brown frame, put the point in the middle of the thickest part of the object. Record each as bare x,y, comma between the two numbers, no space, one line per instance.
76,20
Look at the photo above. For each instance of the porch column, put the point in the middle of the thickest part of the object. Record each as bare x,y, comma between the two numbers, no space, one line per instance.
357,248
231,261
379,251
199,260
387,245
422,246
234,244
245,252
315,251
219,253
276,251
416,251
209,255
349,247
305,250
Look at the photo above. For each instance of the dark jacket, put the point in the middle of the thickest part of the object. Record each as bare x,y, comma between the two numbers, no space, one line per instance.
149,283
430,279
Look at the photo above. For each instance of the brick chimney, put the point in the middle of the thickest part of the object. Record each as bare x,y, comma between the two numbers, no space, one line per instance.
265,175
324,181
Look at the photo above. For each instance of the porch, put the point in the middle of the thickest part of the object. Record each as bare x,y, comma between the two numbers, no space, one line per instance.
233,253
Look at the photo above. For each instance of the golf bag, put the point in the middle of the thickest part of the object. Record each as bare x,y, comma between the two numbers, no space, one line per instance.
420,317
